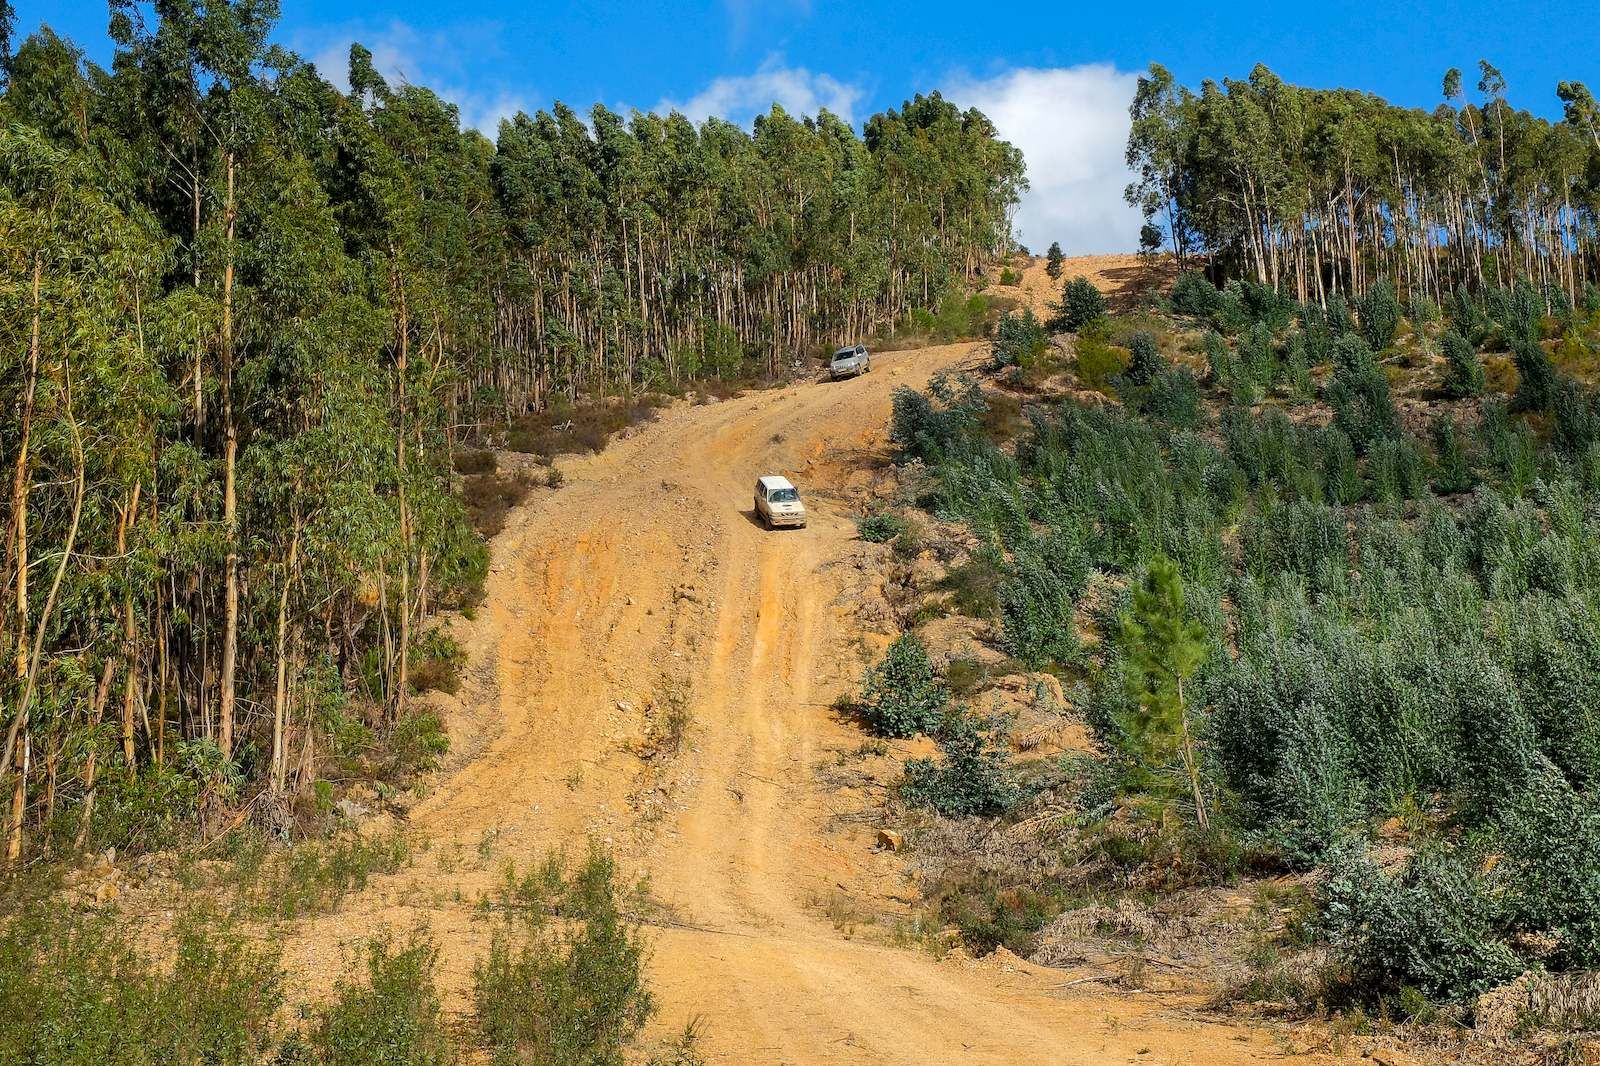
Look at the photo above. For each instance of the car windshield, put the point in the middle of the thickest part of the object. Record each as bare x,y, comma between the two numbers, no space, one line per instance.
844,353
784,496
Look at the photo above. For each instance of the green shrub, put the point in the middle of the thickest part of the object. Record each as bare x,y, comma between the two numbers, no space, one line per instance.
1081,303
1359,395
880,527
903,695
1010,277
1037,601
974,777
314,877
928,426
563,980
1463,373
1193,295
1431,927
392,1018
1380,314
1144,358
75,988
1020,340
1536,376
1099,362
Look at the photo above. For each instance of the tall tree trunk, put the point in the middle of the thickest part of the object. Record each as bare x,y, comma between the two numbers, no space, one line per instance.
230,499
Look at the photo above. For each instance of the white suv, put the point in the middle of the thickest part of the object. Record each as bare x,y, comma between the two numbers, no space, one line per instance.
778,503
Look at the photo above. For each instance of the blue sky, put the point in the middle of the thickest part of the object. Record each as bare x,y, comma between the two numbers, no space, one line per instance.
1055,76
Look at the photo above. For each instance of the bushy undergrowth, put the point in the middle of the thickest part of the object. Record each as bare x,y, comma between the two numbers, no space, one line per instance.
389,1017
880,527
563,981
78,989
974,775
903,695
1396,625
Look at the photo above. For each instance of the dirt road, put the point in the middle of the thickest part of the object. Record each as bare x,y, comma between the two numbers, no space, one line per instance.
641,600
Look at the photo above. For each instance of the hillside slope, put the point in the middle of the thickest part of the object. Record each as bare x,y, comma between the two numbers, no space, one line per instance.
642,603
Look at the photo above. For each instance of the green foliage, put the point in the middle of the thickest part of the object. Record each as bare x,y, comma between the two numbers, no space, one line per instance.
1053,257
903,695
1537,382
1359,395
1081,303
313,878
1144,358
880,527
76,989
1431,927
974,777
1020,340
1454,469
562,982
1379,309
1099,362
1463,372
1163,648
1037,600
1193,295
392,1018
930,426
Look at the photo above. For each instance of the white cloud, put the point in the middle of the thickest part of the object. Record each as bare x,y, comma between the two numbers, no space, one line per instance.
740,98
403,55
1072,126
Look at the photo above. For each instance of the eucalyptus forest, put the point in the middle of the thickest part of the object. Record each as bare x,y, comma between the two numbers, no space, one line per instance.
247,315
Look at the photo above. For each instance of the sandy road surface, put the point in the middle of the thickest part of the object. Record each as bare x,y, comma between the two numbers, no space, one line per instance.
644,584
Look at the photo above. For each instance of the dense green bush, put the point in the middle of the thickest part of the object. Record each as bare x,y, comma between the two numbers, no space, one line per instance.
1081,303
1359,395
77,989
1020,340
903,694
880,527
928,425
563,980
1380,314
1431,927
1193,295
1037,601
1536,376
1463,370
974,775
392,1018
1144,358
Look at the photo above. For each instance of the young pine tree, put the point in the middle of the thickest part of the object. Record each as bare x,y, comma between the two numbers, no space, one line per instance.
1164,649
1053,259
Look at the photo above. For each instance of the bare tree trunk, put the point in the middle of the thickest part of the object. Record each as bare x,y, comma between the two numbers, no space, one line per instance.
230,500
280,701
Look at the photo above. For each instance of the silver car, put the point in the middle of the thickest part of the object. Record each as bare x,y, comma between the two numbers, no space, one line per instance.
848,362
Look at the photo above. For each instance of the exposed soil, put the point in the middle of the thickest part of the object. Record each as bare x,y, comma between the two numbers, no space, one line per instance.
643,588
1123,278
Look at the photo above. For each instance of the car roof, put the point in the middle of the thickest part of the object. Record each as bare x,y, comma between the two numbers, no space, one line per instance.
774,481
